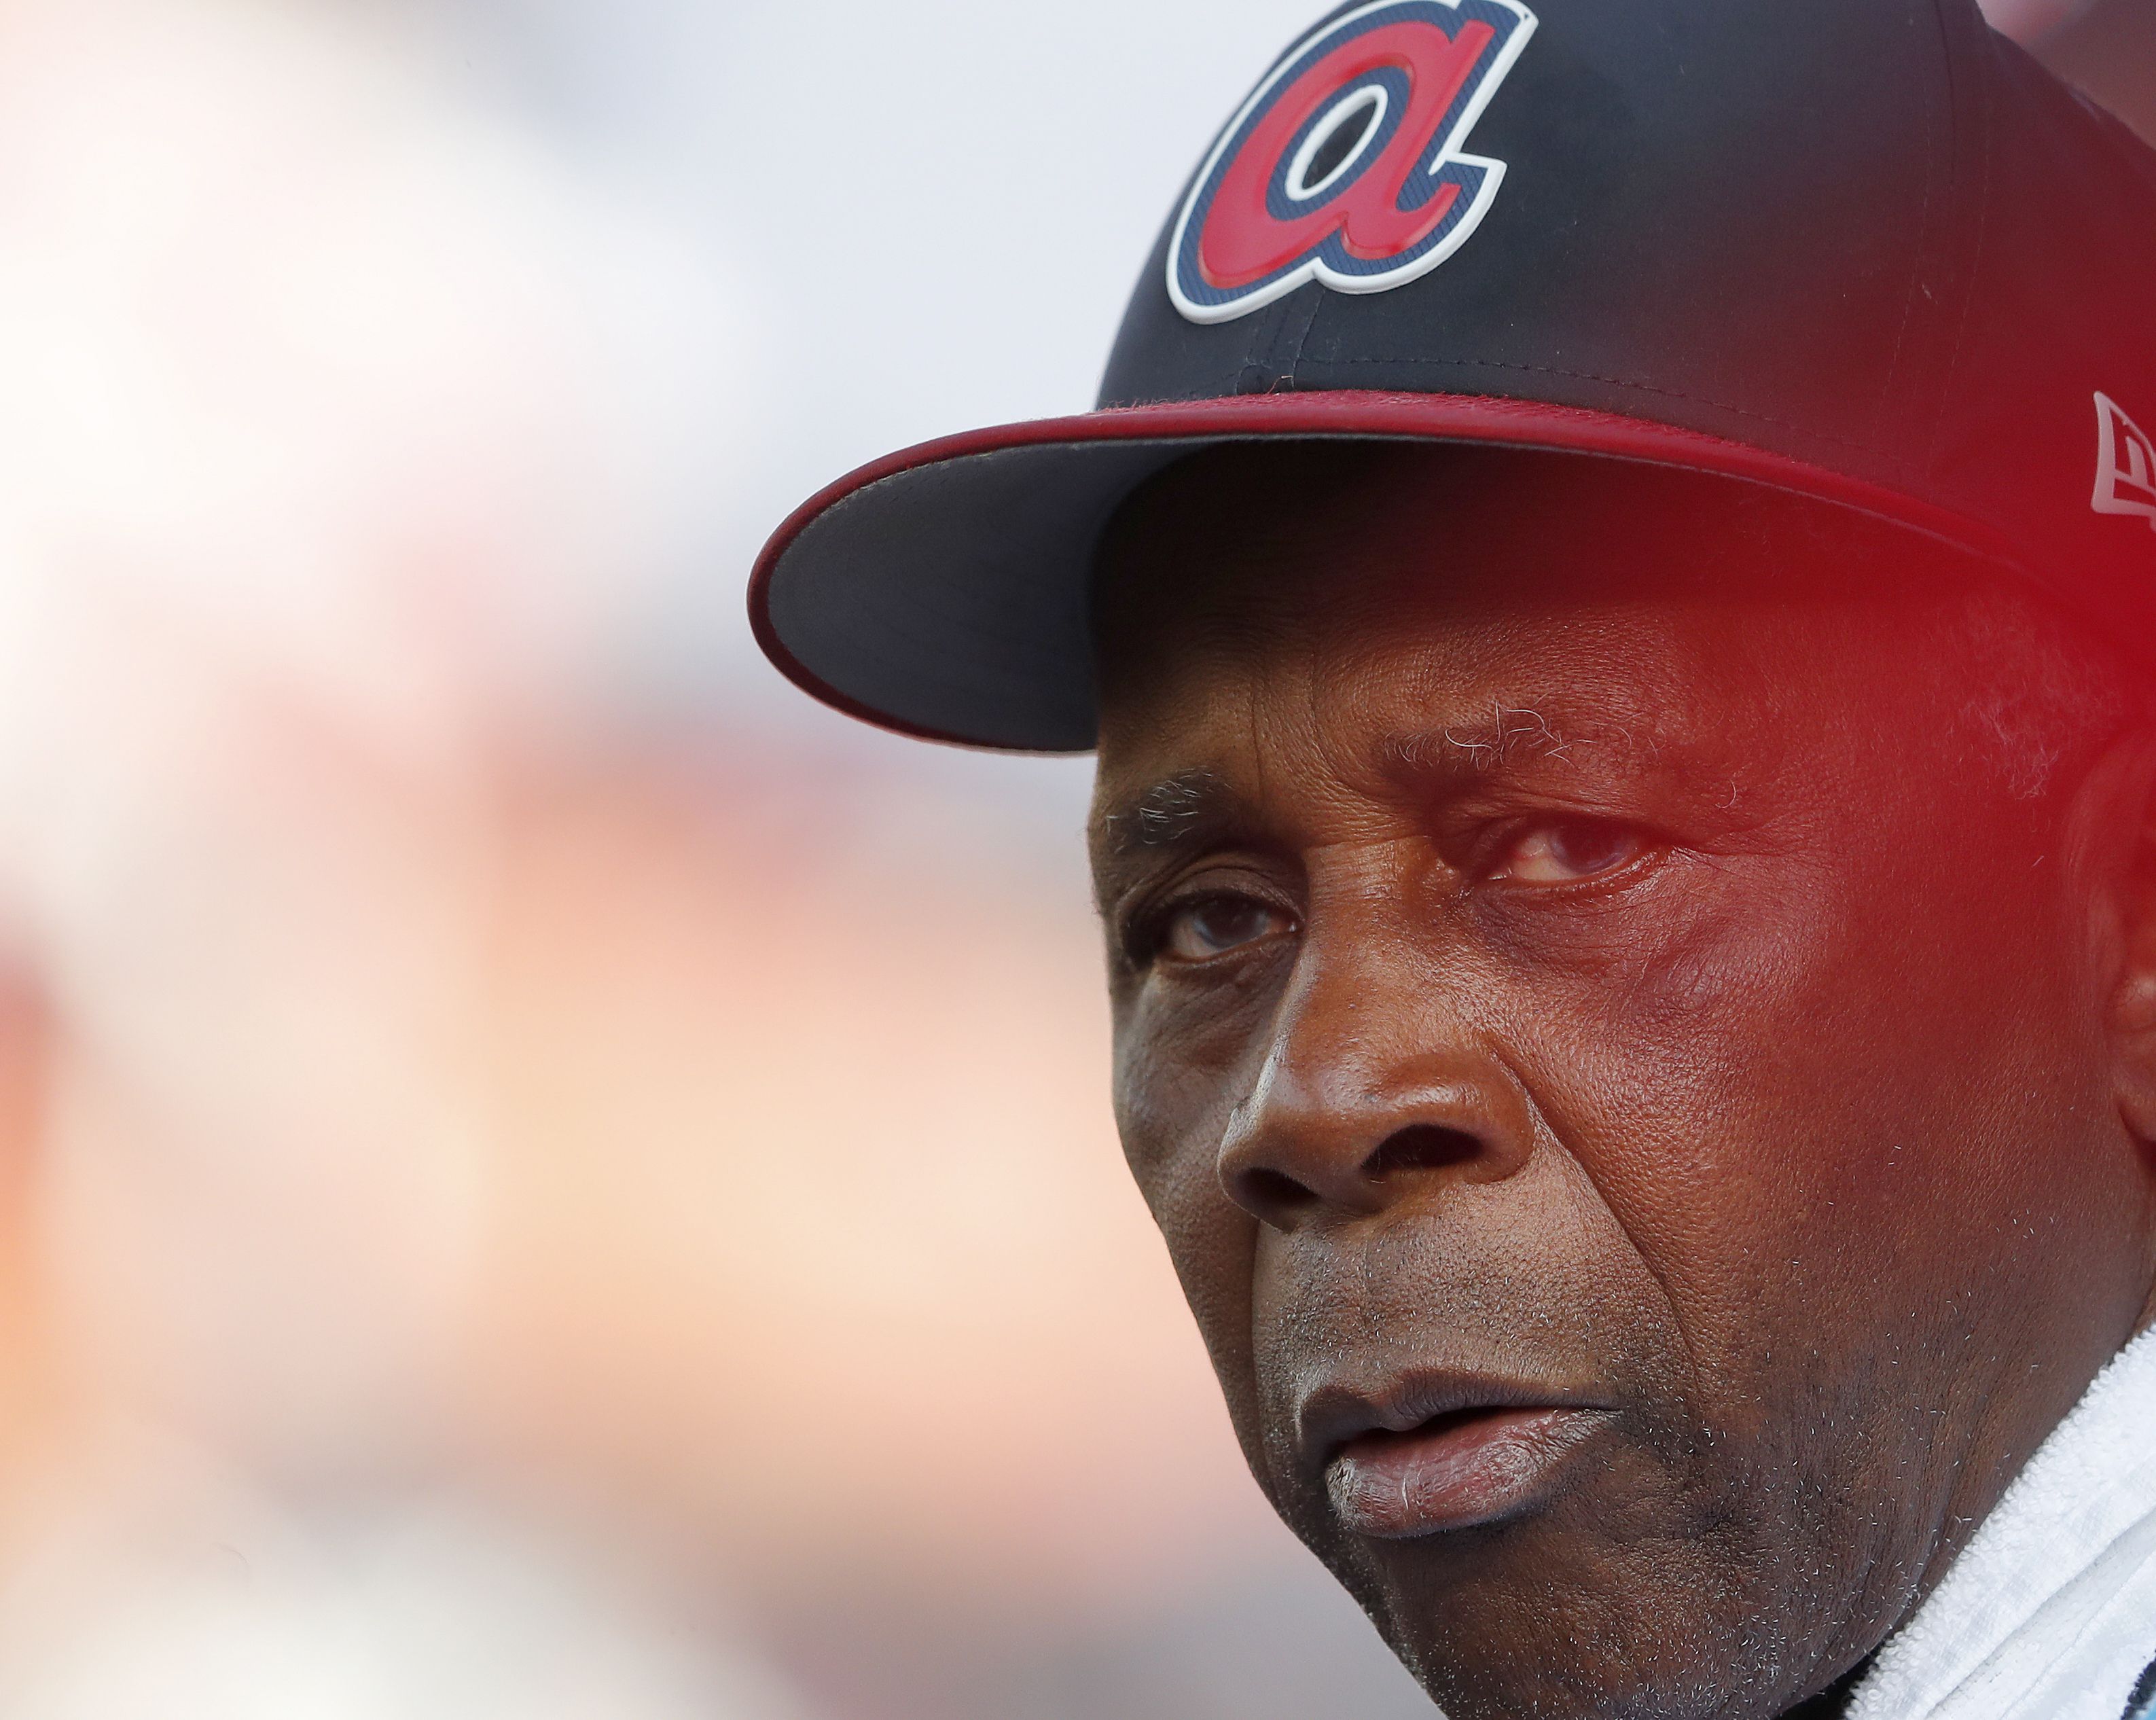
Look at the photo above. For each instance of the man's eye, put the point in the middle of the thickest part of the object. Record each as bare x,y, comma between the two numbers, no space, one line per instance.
1567,850
1217,926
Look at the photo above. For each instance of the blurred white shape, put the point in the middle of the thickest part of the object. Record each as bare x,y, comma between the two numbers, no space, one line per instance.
346,429
411,1614
351,376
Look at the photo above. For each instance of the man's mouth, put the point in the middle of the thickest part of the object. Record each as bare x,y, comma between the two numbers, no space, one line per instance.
1467,1465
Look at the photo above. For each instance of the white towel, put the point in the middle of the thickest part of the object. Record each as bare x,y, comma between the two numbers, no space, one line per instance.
2050,1612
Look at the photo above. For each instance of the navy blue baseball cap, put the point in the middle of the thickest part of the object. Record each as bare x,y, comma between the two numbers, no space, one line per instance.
1864,251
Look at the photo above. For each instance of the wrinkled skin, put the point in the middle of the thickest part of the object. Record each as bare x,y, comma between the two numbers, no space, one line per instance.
1586,956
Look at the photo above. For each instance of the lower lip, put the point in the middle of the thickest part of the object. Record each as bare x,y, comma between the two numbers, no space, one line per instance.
1455,1475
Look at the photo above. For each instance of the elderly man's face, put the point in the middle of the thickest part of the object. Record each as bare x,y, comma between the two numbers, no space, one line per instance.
1635,1106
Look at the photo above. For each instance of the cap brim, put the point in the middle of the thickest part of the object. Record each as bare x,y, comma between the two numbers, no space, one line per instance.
944,591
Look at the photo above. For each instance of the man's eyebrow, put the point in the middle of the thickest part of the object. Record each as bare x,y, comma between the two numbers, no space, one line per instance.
1182,809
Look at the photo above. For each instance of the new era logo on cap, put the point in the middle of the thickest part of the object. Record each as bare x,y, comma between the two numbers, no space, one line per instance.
1346,166
2126,465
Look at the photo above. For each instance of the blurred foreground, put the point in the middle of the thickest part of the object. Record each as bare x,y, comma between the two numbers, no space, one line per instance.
545,1177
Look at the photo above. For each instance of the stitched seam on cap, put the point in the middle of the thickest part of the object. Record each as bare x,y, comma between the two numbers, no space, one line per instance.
1986,145
1923,223
1302,340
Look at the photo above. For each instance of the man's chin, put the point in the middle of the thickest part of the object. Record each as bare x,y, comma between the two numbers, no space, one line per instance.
1588,1591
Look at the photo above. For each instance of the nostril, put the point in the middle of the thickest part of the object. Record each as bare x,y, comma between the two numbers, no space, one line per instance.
1424,1147
1269,1194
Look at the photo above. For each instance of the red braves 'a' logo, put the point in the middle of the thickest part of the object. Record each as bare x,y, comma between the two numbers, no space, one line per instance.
1345,167
2125,465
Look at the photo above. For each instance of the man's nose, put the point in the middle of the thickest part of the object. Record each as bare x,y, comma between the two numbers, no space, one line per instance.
1366,1098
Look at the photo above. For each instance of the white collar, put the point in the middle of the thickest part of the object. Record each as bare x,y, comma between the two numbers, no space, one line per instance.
2049,1611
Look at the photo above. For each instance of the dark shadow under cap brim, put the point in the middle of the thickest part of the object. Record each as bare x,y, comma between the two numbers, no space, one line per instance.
943,591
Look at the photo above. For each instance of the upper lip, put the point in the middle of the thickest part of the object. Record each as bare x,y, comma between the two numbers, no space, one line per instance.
1334,1412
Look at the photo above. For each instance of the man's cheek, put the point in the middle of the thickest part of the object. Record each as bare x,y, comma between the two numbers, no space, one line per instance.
1213,1245
1180,1070
1703,943
1171,1123
1704,1088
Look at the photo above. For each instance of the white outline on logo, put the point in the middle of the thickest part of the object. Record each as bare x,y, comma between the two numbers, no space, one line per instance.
2139,470
1448,152
1366,96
